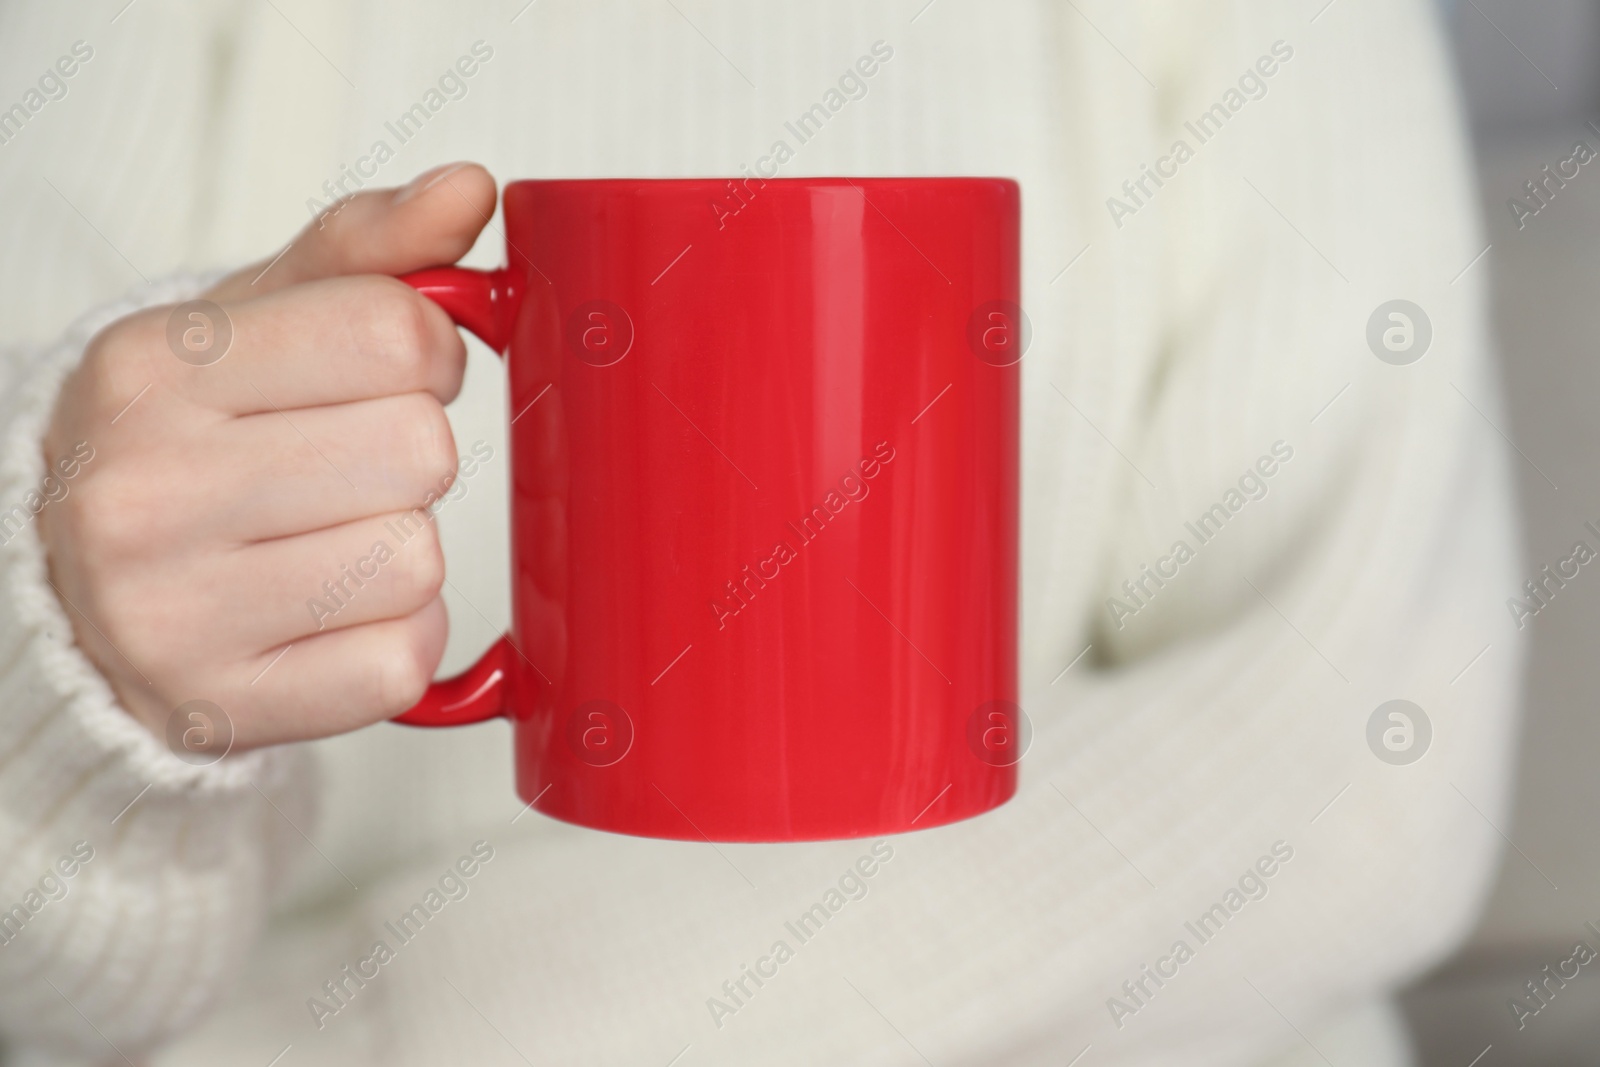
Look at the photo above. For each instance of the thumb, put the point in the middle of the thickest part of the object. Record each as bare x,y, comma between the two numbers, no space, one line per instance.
431,221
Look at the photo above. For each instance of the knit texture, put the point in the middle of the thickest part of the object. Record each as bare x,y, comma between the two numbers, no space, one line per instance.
1214,319
180,857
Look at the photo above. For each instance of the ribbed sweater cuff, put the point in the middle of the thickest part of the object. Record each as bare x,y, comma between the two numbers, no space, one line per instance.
52,699
184,855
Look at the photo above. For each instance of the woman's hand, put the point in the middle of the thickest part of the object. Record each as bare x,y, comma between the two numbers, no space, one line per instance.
222,499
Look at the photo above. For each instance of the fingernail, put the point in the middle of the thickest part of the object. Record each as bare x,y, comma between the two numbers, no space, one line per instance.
427,180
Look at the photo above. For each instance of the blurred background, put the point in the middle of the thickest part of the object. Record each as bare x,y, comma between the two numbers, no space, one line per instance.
1532,86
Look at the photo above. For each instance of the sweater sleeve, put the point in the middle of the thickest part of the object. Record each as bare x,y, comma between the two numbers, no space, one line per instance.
131,882
1305,524
1335,522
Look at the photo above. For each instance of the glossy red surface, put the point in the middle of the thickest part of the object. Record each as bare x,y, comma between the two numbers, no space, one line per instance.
764,497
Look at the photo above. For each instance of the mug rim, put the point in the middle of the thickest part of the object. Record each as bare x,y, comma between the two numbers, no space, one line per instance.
817,181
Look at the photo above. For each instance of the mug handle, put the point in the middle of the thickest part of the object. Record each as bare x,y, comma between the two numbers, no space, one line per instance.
484,302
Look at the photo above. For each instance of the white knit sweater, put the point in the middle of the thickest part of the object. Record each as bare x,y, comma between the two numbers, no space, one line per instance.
1182,331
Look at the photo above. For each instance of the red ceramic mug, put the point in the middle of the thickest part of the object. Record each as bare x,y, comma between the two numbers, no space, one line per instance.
764,476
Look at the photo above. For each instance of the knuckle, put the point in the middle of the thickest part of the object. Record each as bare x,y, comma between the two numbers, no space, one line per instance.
429,443
116,362
399,331
331,234
422,577
122,614
108,518
403,669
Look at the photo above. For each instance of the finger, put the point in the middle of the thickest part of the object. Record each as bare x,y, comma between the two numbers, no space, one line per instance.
277,474
383,567
431,221
333,682
164,617
328,342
